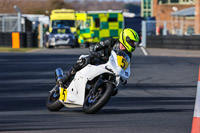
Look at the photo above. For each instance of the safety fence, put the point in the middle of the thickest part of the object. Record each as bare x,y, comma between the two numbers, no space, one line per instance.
170,27
170,34
26,40
9,24
174,42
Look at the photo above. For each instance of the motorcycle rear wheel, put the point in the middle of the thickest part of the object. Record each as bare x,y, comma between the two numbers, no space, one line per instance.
53,103
94,102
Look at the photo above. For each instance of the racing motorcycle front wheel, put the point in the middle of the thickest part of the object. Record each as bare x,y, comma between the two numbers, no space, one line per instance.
53,103
94,101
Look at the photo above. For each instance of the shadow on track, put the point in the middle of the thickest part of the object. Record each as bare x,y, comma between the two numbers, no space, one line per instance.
134,111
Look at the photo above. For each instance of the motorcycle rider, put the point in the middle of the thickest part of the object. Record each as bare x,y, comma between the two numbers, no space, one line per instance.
127,42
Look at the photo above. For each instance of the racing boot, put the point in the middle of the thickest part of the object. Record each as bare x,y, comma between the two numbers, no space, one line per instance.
65,80
71,73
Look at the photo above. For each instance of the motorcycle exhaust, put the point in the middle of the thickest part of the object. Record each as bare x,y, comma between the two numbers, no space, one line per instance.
58,74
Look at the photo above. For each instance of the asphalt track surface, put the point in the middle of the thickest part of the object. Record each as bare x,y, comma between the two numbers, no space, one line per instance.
159,96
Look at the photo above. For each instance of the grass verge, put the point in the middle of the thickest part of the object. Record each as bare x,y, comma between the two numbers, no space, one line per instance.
7,49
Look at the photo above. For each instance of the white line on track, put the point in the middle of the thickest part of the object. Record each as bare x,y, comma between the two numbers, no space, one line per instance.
144,51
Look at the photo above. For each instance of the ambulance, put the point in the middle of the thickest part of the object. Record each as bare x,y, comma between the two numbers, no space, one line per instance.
95,26
62,18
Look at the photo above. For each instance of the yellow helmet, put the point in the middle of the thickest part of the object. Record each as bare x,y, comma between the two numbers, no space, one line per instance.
129,39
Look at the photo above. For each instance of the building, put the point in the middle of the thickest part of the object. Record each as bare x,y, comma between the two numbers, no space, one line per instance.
149,8
174,12
154,8
146,8
186,17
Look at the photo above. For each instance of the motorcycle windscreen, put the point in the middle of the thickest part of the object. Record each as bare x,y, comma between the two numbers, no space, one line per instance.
123,59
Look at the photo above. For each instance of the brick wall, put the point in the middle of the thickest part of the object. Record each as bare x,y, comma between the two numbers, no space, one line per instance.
155,8
163,11
197,16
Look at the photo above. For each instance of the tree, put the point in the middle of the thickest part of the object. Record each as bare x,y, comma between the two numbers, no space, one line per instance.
33,6
58,4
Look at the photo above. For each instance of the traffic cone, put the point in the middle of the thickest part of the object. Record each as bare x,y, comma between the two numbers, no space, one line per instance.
196,117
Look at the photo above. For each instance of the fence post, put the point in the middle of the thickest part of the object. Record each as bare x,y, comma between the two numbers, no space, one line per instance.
19,14
41,34
181,31
165,28
144,33
19,21
3,24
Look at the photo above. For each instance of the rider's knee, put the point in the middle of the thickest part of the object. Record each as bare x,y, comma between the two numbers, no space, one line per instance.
81,63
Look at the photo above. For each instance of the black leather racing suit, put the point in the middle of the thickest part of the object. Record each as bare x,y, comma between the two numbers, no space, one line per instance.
100,51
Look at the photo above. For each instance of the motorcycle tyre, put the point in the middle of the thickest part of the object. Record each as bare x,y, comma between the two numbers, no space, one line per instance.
101,102
55,105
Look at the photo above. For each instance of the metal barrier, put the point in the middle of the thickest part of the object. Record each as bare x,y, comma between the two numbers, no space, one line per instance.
26,40
10,24
174,42
164,28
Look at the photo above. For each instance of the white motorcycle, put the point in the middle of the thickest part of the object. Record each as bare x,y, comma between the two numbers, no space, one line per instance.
92,86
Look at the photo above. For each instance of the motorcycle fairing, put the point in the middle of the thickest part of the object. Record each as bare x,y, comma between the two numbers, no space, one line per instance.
76,90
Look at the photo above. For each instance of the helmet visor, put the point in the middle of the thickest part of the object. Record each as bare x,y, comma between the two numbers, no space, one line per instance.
132,43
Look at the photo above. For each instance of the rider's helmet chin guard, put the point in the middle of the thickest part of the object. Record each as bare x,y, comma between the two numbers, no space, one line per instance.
129,39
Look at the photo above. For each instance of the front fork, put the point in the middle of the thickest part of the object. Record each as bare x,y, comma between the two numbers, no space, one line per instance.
58,74
111,79
59,88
